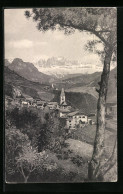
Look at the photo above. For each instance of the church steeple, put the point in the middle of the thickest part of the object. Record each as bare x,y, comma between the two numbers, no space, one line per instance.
62,96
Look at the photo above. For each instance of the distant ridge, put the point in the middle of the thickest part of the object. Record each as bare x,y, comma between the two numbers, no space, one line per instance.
28,71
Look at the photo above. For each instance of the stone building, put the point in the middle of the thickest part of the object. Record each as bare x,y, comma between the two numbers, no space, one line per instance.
74,118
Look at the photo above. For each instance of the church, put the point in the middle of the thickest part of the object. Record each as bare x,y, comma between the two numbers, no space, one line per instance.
63,108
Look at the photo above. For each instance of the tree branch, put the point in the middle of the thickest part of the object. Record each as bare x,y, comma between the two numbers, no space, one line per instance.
22,172
82,28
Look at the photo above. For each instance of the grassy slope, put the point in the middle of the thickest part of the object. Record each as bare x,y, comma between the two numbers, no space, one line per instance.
88,83
30,88
81,142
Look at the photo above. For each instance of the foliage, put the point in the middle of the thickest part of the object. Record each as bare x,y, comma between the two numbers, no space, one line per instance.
43,129
52,135
98,21
14,143
28,121
30,160
22,158
77,160
8,90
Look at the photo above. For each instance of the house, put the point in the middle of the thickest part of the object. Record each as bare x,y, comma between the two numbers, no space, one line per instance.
40,104
63,113
64,106
38,101
34,104
81,124
92,118
25,104
74,118
53,105
28,98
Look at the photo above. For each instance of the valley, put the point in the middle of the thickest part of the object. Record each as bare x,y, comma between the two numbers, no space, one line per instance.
30,99
32,82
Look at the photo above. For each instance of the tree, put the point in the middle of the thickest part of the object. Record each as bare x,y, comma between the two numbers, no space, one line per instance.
47,131
28,121
28,161
102,23
14,143
23,159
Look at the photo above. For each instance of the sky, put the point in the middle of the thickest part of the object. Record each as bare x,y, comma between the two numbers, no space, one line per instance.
23,40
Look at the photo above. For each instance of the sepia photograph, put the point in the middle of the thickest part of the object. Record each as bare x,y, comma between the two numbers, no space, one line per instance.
60,94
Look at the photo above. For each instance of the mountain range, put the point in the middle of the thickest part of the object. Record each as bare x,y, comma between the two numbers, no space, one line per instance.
60,67
82,83
28,71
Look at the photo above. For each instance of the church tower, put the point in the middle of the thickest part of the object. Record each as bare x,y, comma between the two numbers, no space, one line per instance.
62,96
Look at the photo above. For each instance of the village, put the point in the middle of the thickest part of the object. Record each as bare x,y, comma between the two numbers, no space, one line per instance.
72,117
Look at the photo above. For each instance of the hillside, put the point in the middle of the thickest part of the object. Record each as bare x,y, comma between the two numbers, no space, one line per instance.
30,88
76,80
88,84
83,101
84,78
29,71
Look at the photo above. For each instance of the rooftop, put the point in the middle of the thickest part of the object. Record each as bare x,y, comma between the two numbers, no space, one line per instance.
72,113
76,113
55,103
40,102
64,104
64,111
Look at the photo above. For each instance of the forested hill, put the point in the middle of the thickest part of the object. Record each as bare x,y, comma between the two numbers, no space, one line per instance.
27,87
88,84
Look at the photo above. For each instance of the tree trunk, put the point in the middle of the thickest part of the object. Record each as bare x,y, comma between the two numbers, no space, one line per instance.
25,179
94,165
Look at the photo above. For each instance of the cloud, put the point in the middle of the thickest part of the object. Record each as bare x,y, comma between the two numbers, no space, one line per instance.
40,43
21,44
